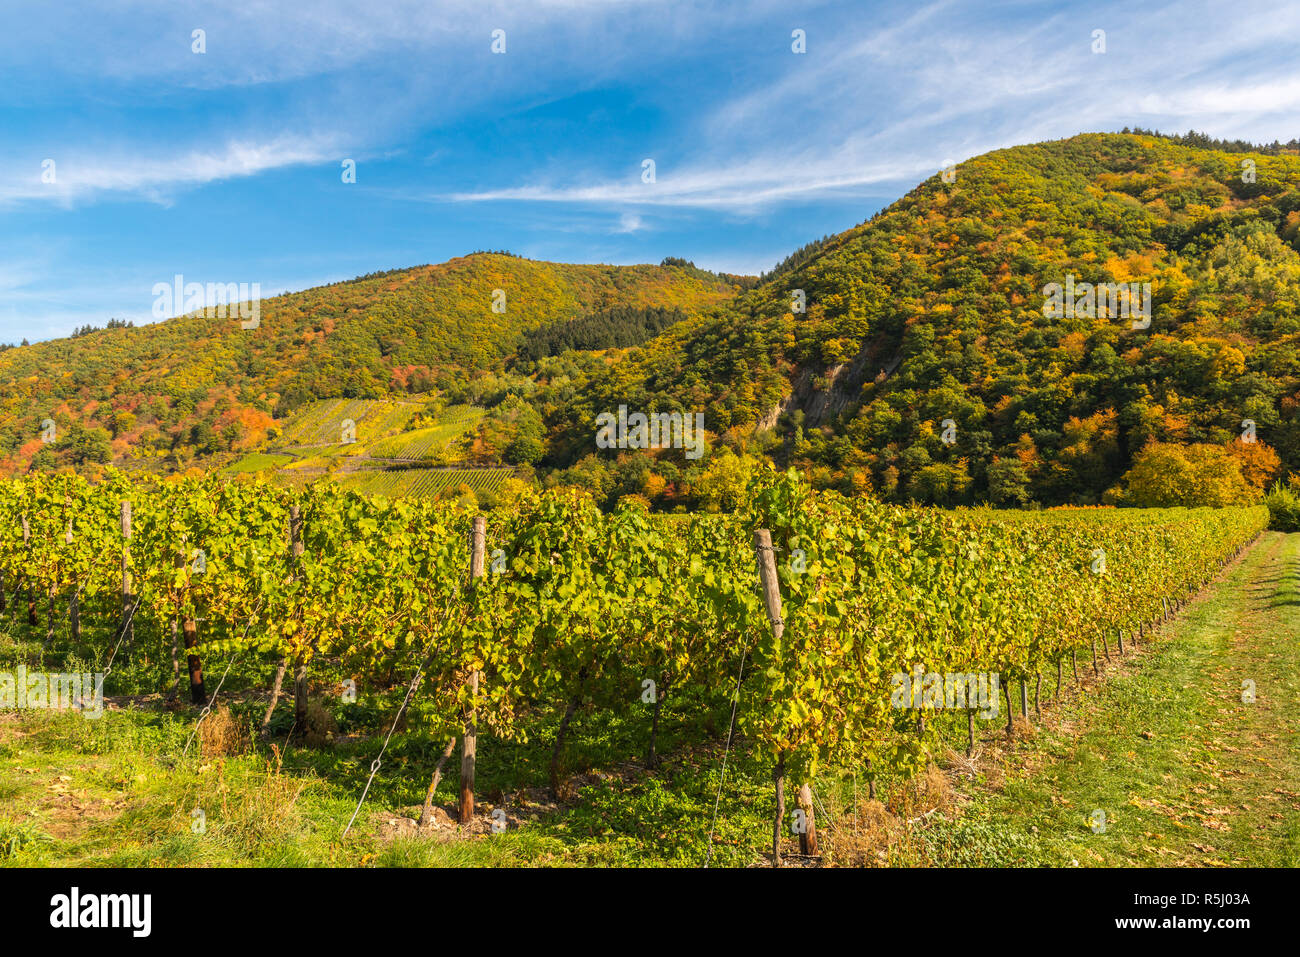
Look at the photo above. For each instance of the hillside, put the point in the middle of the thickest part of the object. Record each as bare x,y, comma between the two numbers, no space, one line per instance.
191,386
934,310
932,361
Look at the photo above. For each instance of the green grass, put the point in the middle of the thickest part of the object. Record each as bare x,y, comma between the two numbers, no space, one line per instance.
1186,773
118,792
258,462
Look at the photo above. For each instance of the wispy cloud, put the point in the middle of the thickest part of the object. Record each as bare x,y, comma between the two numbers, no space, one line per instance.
941,83
78,176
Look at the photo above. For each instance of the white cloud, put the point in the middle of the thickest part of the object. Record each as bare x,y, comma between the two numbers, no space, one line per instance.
78,176
629,223
743,186
943,82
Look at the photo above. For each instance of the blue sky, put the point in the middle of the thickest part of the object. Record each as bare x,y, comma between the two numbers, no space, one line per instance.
225,166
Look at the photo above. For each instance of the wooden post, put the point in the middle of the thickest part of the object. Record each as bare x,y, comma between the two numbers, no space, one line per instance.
300,666
198,694
32,618
295,549
128,605
1119,637
295,533
178,560
49,613
778,779
772,602
300,694
74,601
767,577
426,813
275,693
808,839
469,743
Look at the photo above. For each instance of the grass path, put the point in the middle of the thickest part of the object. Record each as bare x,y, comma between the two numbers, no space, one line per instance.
1185,771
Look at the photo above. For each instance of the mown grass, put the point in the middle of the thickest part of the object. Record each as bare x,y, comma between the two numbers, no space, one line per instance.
1185,771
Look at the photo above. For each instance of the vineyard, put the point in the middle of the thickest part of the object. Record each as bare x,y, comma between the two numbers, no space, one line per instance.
423,482
793,618
322,423
427,443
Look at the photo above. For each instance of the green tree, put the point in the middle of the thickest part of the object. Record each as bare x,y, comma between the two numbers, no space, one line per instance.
1008,483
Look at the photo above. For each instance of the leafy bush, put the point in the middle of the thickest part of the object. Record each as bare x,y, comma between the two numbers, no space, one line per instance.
1283,503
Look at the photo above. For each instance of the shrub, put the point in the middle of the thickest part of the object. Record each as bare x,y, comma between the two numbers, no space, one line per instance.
1283,503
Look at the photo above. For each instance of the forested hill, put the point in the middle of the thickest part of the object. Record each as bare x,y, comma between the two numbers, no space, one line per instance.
194,385
927,361
944,290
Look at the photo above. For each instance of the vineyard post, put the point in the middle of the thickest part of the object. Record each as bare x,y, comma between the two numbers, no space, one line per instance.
295,549
32,618
772,602
300,666
51,594
128,625
1095,670
778,779
426,813
808,839
74,601
198,694
178,560
1119,637
469,743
